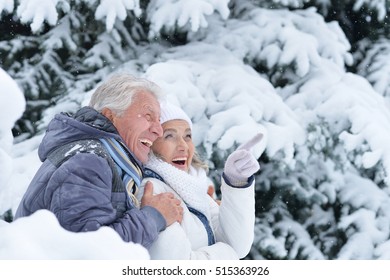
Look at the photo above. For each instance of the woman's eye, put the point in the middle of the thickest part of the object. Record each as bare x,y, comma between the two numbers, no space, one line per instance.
168,136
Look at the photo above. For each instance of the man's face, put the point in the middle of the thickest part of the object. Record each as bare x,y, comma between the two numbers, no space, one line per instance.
139,125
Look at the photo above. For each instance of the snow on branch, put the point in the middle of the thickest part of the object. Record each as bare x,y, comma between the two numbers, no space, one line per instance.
7,6
105,51
366,222
61,36
279,38
38,11
377,5
295,237
229,103
13,104
355,113
43,228
113,9
375,66
291,3
172,14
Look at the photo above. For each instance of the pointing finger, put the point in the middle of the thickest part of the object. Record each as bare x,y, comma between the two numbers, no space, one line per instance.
248,145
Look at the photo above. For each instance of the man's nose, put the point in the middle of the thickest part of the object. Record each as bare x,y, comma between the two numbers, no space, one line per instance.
157,129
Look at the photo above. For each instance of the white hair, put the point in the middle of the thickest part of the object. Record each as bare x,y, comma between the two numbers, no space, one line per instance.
118,91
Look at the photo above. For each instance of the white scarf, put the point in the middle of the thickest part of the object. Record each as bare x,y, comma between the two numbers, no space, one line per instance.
191,187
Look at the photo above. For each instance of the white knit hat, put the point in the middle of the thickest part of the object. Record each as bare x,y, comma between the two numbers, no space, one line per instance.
172,112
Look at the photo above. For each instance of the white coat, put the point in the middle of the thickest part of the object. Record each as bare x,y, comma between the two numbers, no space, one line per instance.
232,223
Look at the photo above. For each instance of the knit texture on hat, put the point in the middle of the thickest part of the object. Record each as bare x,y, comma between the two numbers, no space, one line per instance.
172,112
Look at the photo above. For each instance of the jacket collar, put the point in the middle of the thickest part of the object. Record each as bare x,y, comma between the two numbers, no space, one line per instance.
91,117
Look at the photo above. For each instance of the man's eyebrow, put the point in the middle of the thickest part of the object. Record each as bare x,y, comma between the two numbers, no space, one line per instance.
149,108
152,111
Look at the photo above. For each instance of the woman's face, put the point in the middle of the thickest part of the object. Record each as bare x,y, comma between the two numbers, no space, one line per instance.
175,146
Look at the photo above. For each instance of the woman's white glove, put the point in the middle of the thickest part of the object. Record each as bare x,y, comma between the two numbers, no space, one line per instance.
241,164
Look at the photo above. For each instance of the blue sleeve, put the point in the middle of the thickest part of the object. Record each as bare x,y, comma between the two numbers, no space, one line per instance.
82,201
247,185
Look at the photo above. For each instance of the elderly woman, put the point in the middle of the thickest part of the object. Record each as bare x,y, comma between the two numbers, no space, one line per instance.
208,230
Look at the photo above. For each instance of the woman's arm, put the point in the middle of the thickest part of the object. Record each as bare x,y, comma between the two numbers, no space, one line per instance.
233,221
173,244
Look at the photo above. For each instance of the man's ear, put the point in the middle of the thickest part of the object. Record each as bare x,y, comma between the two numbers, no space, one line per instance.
108,114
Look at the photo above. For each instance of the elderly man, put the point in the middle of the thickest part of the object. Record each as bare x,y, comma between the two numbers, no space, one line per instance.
93,165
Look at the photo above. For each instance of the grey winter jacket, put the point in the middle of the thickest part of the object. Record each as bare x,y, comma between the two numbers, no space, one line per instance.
79,191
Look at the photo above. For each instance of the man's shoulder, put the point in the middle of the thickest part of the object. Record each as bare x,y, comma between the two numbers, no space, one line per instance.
66,151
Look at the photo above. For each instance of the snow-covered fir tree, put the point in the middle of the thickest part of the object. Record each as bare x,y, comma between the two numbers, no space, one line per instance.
311,75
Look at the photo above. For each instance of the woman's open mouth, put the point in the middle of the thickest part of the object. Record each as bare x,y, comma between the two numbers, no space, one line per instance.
180,162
